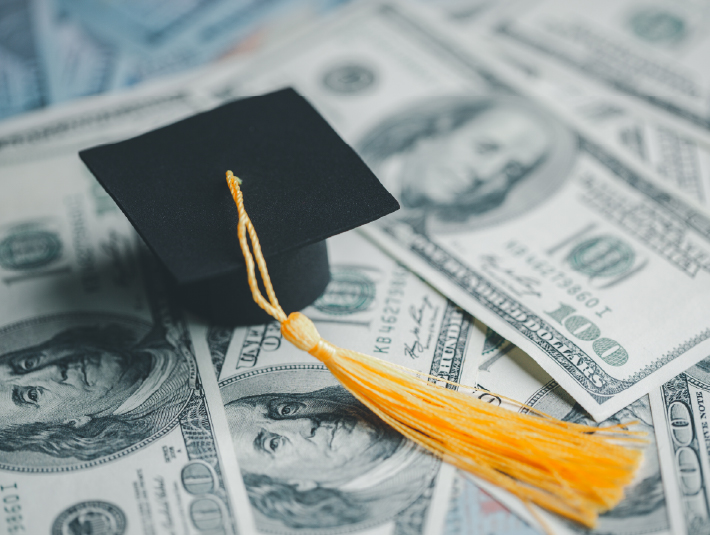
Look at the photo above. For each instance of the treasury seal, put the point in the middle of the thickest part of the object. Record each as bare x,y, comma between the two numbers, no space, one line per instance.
95,517
348,292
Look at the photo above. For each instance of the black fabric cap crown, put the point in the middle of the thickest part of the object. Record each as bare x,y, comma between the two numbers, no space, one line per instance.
301,184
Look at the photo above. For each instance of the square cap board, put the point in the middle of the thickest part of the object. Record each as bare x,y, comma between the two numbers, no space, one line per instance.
301,185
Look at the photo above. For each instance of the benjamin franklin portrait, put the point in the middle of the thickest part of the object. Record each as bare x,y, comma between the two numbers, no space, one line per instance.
314,459
457,164
79,388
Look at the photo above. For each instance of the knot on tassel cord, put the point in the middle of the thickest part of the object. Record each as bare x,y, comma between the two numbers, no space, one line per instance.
301,332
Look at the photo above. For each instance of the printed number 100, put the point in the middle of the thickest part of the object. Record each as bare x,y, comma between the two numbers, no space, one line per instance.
12,508
610,351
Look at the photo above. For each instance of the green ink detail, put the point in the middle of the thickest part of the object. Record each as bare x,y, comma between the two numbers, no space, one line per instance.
658,26
493,341
349,291
582,328
27,249
615,358
603,256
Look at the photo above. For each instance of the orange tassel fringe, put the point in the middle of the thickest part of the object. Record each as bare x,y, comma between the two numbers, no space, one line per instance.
570,469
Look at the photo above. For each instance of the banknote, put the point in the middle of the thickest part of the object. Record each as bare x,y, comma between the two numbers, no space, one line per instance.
530,223
653,51
182,39
24,82
313,458
107,424
154,25
679,408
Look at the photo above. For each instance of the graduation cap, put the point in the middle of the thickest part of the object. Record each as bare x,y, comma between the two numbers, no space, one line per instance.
304,184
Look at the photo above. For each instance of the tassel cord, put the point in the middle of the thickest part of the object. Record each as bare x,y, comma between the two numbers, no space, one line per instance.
570,469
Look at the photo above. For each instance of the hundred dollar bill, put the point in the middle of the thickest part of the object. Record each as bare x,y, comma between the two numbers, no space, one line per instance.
672,153
655,52
534,225
313,458
108,423
680,408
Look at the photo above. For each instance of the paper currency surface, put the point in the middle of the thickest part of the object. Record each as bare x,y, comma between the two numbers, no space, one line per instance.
654,51
71,128
545,234
379,68
683,434
674,155
106,424
52,51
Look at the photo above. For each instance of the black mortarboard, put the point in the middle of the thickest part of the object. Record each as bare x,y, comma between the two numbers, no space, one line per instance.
301,184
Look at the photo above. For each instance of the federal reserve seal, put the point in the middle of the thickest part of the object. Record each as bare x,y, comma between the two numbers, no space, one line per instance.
349,78
28,247
348,292
95,517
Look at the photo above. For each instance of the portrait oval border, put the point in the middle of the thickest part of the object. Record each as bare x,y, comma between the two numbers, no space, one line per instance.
375,147
90,317
433,465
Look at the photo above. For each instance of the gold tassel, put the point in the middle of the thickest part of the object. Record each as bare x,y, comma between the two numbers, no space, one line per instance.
570,469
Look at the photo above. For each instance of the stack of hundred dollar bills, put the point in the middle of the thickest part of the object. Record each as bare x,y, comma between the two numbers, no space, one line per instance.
552,161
